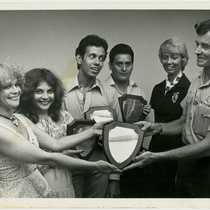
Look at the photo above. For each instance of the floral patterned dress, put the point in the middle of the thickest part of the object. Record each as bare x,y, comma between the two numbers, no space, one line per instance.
19,179
59,179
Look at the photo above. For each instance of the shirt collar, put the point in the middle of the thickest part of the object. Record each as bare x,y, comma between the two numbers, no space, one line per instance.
201,75
74,83
111,82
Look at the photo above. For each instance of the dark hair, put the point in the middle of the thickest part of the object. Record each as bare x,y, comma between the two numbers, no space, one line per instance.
202,27
32,80
120,49
91,40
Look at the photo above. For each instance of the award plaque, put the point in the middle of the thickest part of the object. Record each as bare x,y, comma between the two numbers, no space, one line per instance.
102,113
132,108
88,146
122,142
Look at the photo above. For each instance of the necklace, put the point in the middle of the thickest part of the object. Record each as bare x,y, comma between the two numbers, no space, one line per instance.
13,119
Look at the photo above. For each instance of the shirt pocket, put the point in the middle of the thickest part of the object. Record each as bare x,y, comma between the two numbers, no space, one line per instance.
189,98
202,120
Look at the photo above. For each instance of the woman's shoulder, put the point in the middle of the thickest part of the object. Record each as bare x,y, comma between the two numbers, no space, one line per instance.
65,116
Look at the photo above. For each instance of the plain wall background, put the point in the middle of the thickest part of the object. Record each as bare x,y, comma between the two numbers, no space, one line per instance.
48,39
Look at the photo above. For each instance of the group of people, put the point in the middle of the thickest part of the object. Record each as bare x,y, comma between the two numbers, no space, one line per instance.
37,158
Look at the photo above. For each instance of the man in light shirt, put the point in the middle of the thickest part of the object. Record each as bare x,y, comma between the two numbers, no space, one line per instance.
82,93
121,63
193,174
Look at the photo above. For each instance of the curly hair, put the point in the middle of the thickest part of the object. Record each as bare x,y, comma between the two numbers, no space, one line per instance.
27,104
11,72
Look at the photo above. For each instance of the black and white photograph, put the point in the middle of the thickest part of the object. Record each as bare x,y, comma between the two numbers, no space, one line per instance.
58,61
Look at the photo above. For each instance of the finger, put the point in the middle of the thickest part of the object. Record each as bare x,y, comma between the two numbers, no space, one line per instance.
106,121
132,166
146,126
141,123
117,171
73,152
78,152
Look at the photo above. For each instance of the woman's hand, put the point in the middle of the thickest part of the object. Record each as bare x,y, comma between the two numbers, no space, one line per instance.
106,167
72,153
97,128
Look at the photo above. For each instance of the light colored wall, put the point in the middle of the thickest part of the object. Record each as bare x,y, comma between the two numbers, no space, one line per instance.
44,38
48,39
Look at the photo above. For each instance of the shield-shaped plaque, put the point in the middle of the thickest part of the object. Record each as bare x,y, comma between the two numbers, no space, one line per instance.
102,113
132,108
88,146
122,142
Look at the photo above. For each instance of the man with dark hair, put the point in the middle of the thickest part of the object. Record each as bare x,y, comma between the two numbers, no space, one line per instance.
121,59
82,93
193,175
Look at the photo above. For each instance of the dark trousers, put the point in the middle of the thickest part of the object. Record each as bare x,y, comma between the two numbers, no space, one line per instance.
131,183
91,184
159,180
193,178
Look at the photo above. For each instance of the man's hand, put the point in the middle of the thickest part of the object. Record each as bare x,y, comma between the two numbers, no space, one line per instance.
149,128
113,189
146,109
144,159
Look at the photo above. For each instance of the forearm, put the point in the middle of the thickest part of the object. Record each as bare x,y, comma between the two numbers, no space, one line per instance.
173,128
196,150
58,159
73,140
67,142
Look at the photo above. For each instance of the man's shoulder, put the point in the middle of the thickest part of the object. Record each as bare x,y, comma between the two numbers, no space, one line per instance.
106,87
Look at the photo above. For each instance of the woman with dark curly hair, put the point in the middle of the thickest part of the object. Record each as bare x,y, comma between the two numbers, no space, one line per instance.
22,143
41,102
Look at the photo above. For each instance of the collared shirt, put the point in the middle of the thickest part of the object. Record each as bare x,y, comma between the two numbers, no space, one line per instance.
100,94
132,89
197,109
169,84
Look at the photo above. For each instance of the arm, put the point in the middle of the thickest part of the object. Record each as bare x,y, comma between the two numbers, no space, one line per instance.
47,142
196,150
15,146
172,128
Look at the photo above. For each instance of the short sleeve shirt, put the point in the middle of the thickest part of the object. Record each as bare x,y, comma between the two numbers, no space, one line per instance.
197,105
100,94
132,89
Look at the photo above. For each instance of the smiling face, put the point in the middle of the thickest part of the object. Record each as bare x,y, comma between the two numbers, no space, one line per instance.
43,97
203,50
92,62
10,94
171,61
121,67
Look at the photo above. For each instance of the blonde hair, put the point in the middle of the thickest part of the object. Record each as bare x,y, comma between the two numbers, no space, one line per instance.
180,45
10,72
